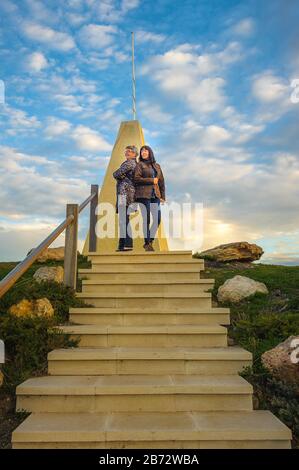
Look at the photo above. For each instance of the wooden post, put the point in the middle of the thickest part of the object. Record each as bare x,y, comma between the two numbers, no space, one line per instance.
93,219
70,250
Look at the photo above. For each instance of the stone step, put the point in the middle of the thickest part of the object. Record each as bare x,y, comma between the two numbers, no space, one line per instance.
148,361
201,336
146,277
131,256
140,300
150,265
197,430
152,286
134,393
136,316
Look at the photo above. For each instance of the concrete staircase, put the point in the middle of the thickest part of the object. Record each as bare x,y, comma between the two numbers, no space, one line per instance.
153,369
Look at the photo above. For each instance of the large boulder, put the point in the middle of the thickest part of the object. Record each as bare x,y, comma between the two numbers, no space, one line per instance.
49,273
238,251
283,360
238,288
40,307
55,254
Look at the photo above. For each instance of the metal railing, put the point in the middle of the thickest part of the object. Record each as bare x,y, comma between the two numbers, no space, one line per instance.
70,225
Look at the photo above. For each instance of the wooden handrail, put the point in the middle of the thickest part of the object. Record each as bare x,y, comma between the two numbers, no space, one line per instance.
10,279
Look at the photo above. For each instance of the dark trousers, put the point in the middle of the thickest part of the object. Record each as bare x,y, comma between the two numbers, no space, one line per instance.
125,232
148,207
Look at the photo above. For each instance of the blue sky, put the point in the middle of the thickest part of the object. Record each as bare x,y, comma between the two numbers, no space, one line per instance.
213,96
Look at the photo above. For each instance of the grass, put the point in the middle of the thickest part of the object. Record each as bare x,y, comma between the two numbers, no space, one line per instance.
260,323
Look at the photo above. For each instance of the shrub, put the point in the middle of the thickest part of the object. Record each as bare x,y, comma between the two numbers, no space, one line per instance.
27,343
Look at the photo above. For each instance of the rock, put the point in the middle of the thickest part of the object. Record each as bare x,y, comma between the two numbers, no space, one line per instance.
43,308
40,307
283,360
49,273
238,251
22,309
56,254
238,288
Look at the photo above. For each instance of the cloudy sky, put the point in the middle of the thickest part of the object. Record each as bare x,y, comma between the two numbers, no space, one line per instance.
213,96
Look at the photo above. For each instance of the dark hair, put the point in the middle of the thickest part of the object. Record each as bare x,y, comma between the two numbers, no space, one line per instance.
151,155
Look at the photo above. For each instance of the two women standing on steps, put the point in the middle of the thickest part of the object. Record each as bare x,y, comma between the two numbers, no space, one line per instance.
139,180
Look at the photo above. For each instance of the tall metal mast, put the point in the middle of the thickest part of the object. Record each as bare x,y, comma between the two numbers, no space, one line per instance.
133,78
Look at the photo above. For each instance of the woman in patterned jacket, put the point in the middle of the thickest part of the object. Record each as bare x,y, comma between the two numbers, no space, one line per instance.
125,196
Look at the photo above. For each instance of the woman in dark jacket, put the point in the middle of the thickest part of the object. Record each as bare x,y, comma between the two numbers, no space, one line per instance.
149,192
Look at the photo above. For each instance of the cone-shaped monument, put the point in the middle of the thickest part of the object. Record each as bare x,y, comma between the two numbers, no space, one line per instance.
130,133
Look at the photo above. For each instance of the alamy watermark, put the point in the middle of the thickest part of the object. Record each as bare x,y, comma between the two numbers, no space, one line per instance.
295,354
180,220
295,94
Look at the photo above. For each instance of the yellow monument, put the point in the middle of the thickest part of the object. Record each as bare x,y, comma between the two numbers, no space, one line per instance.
130,133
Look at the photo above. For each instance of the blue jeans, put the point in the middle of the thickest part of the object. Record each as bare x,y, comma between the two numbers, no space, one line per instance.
125,233
148,207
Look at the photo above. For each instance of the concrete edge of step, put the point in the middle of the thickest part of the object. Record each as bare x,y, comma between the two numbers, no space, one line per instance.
228,353
42,386
84,427
131,311
153,282
137,295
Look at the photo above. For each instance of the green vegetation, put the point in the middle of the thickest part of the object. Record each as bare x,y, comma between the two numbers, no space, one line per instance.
258,324
28,339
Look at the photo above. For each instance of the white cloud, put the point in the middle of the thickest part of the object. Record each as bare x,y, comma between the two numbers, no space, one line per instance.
241,193
45,35
36,62
245,27
193,76
97,36
146,36
127,5
86,164
75,18
110,11
273,95
242,129
30,176
154,113
89,140
38,11
68,103
57,127
209,135
36,193
270,88
17,120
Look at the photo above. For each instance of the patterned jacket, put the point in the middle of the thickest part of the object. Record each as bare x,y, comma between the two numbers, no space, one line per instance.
125,187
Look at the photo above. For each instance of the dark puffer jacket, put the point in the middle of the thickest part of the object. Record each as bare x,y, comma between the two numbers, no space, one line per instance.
144,181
